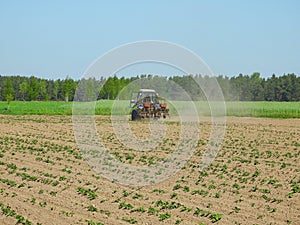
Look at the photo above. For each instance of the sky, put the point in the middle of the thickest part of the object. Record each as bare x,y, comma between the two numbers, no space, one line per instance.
59,38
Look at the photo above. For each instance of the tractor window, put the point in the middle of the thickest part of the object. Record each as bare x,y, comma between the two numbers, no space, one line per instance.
147,99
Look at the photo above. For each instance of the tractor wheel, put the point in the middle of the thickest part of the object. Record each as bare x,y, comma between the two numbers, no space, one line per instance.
134,115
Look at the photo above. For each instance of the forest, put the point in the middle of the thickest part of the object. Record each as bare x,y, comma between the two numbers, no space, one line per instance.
238,88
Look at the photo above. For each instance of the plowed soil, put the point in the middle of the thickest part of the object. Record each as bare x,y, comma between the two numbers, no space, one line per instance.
44,179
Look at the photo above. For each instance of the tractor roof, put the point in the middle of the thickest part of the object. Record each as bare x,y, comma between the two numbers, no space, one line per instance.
147,90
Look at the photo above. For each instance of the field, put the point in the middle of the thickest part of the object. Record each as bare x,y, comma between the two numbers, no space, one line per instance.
44,179
103,107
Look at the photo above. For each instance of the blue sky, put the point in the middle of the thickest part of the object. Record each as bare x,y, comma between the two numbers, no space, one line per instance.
53,39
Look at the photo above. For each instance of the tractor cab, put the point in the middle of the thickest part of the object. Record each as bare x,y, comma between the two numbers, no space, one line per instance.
143,96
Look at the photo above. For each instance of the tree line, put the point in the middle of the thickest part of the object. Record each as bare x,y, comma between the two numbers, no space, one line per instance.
238,88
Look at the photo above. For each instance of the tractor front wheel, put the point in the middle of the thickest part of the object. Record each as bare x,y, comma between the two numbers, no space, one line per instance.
134,115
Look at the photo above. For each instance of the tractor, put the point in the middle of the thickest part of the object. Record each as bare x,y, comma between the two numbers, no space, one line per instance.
147,104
